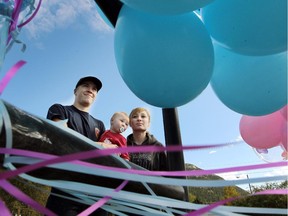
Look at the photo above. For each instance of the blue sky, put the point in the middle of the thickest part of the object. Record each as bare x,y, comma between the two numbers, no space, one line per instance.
68,40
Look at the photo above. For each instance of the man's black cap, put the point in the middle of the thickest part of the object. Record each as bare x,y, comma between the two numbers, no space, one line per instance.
95,80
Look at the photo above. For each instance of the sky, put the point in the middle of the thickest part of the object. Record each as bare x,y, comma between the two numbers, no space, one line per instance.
68,40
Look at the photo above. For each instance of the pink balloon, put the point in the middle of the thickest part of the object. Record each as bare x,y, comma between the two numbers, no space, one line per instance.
283,111
284,135
284,155
262,132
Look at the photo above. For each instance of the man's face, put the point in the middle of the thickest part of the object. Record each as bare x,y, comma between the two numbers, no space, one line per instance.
85,94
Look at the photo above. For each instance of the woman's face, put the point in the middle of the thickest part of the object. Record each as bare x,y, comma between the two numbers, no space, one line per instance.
140,121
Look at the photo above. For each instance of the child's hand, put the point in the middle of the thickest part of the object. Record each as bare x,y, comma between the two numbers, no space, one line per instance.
107,141
107,145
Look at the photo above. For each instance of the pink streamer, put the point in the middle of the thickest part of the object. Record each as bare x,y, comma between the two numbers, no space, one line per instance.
102,201
4,210
15,17
216,204
52,159
23,197
10,74
81,156
32,16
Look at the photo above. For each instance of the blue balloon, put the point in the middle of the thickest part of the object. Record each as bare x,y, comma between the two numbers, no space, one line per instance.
250,85
165,60
249,27
166,7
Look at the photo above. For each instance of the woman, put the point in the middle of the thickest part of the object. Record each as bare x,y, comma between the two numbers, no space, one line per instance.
139,120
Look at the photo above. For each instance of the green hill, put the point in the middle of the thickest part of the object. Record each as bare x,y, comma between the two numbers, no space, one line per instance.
206,195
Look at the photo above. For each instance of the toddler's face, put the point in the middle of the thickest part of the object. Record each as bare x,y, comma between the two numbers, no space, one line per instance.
120,123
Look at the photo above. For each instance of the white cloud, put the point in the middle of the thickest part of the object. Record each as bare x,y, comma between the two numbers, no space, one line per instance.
55,14
68,101
277,171
232,175
280,171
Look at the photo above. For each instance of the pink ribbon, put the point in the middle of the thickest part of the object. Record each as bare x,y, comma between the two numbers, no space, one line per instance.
23,197
51,159
32,16
4,210
216,204
10,74
102,201
15,17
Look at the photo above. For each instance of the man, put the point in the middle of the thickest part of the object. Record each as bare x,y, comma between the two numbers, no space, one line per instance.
78,119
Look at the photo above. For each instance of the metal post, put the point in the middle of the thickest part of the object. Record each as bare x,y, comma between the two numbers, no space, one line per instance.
173,138
111,9
249,184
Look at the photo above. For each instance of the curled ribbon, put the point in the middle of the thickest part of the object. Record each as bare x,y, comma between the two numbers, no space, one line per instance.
10,74
119,201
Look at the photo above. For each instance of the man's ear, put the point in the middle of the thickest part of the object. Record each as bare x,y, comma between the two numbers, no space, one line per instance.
75,91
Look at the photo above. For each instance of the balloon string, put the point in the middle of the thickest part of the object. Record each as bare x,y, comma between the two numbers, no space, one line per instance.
32,16
10,74
15,16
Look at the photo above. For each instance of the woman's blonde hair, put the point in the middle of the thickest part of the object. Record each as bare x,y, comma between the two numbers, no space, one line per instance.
138,110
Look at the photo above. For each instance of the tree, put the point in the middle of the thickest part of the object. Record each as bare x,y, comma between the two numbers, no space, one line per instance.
266,201
230,191
191,197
